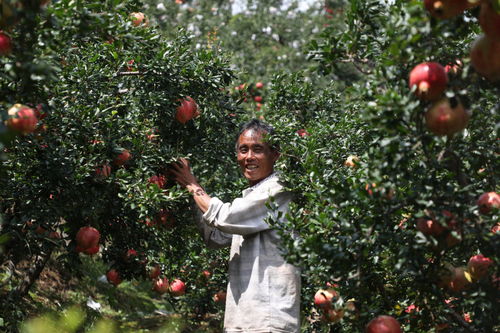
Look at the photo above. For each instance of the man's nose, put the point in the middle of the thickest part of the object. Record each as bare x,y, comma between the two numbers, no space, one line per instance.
250,154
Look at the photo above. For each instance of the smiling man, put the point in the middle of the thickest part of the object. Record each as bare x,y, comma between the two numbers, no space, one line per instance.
263,294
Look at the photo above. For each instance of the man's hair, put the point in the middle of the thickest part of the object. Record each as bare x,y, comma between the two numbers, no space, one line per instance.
261,127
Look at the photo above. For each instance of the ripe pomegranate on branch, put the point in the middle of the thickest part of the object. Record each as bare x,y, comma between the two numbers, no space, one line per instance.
430,80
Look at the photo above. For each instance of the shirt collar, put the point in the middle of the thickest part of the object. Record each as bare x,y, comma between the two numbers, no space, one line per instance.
254,187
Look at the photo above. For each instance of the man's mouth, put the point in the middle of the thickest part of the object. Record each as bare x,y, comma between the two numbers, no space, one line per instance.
251,167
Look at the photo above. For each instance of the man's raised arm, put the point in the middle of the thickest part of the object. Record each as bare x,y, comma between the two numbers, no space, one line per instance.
183,175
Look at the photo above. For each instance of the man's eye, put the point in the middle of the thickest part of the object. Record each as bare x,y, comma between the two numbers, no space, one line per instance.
243,150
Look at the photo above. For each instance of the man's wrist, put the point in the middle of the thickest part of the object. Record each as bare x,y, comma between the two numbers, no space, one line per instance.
195,190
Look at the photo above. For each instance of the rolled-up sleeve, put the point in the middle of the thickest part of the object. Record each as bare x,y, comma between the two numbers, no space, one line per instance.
244,216
212,237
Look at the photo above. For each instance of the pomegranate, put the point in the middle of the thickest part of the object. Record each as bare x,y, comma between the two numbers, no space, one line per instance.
258,99
484,57
489,20
446,117
187,110
429,227
220,297
459,281
383,324
478,266
302,133
138,19
324,298
5,44
113,277
206,274
164,219
122,158
155,272
22,119
177,288
161,285
430,80
445,275
352,161
259,85
445,9
103,171
87,240
333,315
488,201
158,180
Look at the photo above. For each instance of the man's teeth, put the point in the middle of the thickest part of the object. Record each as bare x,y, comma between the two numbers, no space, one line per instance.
251,167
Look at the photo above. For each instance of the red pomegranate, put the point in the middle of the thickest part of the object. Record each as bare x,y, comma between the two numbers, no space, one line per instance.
430,80
165,219
187,110
158,180
459,281
324,298
488,201
446,117
478,266
484,57
430,227
445,9
161,285
220,297
103,171
155,272
87,240
177,288
123,157
113,277
5,44
489,20
383,324
22,119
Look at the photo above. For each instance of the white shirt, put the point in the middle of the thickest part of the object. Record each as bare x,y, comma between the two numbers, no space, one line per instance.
263,293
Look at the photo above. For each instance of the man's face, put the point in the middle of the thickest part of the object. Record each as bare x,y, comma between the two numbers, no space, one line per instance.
255,156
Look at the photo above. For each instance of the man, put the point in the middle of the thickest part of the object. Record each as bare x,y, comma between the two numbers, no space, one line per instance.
263,292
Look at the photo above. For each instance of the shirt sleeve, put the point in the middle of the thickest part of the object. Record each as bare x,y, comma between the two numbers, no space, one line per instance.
244,216
213,238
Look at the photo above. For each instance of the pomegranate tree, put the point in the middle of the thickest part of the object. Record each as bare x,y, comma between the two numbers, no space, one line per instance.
430,80
446,117
484,57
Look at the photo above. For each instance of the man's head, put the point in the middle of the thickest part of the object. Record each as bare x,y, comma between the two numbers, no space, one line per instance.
256,157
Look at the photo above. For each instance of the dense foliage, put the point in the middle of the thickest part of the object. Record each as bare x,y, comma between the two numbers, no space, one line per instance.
103,85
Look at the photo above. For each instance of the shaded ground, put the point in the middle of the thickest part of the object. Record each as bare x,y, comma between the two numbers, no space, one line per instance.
132,307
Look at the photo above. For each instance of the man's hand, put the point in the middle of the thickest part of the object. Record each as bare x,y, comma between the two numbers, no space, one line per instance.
181,172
